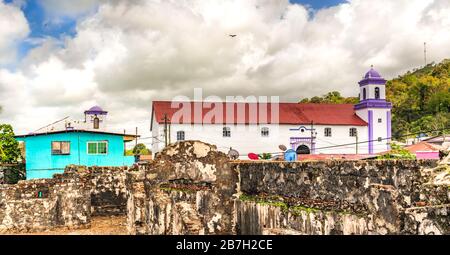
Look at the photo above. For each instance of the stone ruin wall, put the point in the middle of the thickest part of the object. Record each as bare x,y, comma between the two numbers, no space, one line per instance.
38,205
68,200
342,197
107,188
189,189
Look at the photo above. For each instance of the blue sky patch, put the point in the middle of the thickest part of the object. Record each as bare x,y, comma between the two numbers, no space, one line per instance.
319,4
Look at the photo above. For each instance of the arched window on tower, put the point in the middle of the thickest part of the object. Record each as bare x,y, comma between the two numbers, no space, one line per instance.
96,123
364,94
377,93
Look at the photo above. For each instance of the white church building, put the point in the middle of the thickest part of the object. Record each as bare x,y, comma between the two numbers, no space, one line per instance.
255,127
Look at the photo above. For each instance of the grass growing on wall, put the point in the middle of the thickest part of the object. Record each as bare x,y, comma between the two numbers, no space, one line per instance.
296,210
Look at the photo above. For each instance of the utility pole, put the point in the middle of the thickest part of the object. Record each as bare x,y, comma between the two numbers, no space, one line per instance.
166,121
425,52
170,133
136,136
312,136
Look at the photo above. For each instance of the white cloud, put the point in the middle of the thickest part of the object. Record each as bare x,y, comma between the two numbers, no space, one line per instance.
13,28
129,53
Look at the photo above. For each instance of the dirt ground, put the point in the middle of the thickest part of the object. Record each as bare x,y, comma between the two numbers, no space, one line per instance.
112,225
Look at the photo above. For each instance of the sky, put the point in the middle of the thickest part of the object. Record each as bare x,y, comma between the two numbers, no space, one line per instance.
60,57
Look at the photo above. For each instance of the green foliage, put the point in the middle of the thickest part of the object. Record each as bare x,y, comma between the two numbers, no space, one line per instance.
129,153
9,147
141,149
398,152
421,101
265,156
331,98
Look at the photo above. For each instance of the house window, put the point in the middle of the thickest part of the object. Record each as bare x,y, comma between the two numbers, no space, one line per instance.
60,148
180,136
364,94
97,148
380,120
226,132
265,132
353,132
377,93
327,132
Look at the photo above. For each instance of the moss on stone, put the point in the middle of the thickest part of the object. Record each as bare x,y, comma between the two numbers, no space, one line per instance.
265,201
296,210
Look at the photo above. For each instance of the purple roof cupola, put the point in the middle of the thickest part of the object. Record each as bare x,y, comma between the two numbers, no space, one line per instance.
372,77
96,110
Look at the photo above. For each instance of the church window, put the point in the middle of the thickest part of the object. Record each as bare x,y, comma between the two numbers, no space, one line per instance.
380,139
180,136
353,132
380,120
226,132
265,132
327,132
364,94
377,93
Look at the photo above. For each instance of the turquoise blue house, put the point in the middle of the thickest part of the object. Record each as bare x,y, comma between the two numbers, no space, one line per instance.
49,151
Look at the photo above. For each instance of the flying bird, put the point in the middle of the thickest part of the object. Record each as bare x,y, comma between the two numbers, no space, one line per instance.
233,35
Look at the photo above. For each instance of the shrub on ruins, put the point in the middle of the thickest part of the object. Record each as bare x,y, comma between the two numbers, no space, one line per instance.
9,147
397,152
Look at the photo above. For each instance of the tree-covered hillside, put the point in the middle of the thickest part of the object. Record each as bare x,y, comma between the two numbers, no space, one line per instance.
331,98
421,101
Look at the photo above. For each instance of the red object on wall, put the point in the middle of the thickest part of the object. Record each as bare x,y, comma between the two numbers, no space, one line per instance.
253,156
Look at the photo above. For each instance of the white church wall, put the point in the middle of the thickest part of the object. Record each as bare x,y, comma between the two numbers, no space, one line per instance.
248,138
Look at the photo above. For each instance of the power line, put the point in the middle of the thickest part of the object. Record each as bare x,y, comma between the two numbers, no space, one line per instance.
383,139
364,142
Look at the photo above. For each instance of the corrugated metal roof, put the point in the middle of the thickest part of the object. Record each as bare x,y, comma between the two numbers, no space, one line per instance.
289,113
422,146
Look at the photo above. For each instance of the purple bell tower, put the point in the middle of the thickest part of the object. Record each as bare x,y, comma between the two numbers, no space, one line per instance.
375,110
95,118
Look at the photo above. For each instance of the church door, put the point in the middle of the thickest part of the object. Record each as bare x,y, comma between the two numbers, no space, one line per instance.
303,149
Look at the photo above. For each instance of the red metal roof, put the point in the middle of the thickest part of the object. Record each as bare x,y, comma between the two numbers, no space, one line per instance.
289,113
422,146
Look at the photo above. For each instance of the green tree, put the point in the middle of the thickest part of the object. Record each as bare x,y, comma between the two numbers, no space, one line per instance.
333,97
141,149
9,147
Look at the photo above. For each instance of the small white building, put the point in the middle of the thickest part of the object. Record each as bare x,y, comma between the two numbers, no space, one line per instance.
364,128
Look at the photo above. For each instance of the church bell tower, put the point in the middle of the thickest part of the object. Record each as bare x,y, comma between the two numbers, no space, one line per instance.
376,111
95,118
